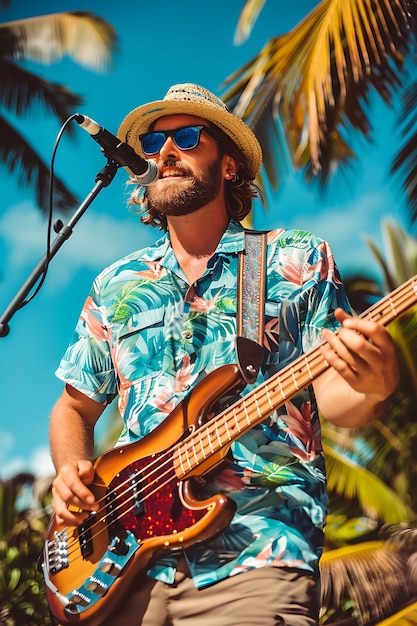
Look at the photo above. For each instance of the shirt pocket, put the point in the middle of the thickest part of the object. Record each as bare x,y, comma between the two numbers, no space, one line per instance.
139,345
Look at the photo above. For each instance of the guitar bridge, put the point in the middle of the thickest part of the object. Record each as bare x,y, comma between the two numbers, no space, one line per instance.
56,552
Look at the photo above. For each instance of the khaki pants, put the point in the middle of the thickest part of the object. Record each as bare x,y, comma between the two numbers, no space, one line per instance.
261,597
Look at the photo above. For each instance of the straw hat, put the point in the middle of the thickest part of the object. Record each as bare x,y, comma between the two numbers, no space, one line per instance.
191,99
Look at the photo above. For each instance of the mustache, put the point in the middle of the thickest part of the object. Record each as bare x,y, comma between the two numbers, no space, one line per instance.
184,169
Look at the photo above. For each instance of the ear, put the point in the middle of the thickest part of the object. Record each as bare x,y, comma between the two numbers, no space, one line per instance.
230,168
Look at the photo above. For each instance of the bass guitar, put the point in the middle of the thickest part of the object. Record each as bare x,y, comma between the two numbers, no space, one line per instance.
148,491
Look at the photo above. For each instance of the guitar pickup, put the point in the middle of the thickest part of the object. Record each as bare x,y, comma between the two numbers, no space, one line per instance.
138,503
85,536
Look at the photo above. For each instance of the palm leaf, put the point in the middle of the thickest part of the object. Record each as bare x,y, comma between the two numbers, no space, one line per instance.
81,35
248,16
404,333
19,89
406,617
406,160
19,156
398,265
347,478
373,575
85,37
317,77
402,251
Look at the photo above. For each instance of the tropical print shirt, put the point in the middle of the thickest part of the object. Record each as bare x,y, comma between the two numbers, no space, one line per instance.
148,337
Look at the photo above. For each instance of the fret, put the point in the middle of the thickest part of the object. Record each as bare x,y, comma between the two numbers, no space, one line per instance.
393,306
188,459
210,443
284,397
218,436
255,397
308,368
202,448
268,397
247,418
180,459
227,431
236,419
294,379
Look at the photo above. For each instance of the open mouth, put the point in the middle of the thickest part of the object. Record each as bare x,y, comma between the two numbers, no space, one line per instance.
173,172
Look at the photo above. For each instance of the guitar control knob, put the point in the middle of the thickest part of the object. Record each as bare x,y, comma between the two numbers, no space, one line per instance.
119,546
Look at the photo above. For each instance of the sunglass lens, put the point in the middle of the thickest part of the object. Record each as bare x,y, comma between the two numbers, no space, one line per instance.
187,138
152,142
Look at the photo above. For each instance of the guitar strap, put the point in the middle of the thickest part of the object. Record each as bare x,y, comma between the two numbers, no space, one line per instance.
251,304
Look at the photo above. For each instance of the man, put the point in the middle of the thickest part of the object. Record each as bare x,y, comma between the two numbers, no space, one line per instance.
157,322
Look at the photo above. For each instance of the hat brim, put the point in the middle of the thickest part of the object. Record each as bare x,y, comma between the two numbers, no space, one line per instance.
140,120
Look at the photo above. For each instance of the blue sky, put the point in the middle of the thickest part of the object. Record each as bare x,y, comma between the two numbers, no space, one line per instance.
159,44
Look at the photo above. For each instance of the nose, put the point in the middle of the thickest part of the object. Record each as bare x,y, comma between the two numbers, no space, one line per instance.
169,149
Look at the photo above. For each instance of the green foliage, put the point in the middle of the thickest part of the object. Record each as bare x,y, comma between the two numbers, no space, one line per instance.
88,40
22,595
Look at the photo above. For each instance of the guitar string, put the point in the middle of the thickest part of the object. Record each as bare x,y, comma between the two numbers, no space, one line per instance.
119,497
260,411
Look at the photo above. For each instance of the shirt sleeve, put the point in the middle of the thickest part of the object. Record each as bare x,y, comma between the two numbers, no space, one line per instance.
87,363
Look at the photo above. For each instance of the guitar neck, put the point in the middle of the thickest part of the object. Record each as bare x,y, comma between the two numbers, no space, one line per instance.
208,440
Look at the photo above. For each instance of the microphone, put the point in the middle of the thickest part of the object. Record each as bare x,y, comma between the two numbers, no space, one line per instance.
146,172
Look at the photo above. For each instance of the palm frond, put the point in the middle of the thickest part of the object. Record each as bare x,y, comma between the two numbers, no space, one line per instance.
247,18
18,156
347,478
362,291
19,89
404,333
83,36
398,262
398,259
372,575
406,617
318,76
405,162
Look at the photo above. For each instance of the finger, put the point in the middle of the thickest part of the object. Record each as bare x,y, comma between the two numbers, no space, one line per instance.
70,490
66,514
345,348
74,479
372,330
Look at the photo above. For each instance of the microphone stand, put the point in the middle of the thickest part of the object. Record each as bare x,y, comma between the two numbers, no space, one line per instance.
103,179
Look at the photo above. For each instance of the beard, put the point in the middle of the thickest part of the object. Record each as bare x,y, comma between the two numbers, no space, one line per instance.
180,197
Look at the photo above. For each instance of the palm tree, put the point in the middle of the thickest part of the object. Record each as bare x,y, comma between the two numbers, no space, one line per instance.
87,39
308,91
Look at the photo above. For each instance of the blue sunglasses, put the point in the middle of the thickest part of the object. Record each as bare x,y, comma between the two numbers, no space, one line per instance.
185,138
